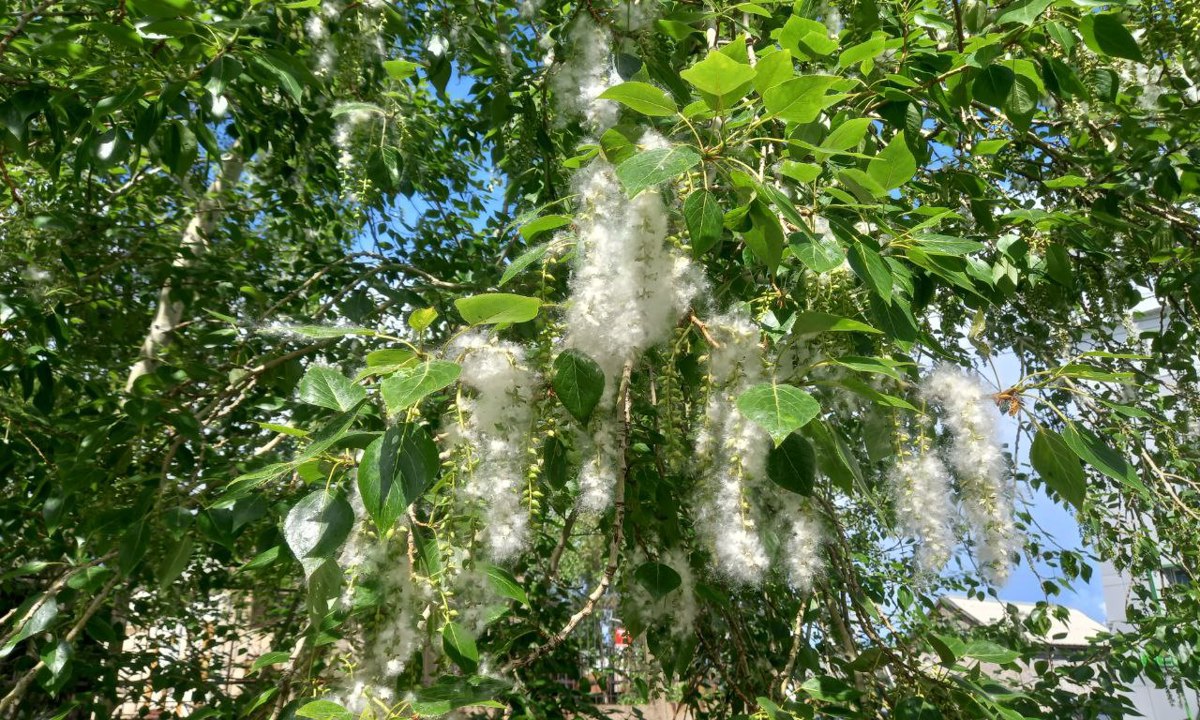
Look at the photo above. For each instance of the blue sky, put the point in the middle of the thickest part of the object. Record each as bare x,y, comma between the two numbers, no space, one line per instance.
1052,517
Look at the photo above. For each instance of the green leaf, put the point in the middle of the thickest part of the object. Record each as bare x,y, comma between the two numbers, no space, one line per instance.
659,580
328,388
1059,466
876,365
133,546
1022,98
772,70
505,584
990,652
316,527
800,172
266,558
812,323
272,658
578,382
652,167
175,561
765,236
324,710
395,470
806,38
800,100
916,708
1058,265
422,318
283,429
992,85
785,205
408,386
718,75
829,689
984,148
847,135
820,254
533,228
460,646
793,465
643,98
869,266
453,692
879,398
323,332
495,308
865,50
328,435
57,657
1104,33
778,408
864,187
34,623
400,69
894,165
947,245
250,480
1066,181
704,219
1025,12
165,8
1095,452
273,66
526,259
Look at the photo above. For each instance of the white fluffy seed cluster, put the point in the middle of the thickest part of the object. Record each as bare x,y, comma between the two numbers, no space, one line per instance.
384,649
499,416
970,417
343,136
924,507
598,476
628,291
734,452
585,74
630,287
803,536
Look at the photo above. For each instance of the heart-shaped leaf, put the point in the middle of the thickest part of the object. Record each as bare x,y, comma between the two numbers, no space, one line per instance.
578,382
652,167
407,386
316,527
395,470
658,579
778,408
328,388
793,465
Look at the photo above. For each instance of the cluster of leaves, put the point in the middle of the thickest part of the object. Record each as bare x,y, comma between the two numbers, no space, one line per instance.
1010,179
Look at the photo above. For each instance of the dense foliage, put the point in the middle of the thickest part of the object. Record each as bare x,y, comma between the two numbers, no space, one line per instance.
373,359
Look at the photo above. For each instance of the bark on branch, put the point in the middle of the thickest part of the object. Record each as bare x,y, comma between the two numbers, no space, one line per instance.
194,243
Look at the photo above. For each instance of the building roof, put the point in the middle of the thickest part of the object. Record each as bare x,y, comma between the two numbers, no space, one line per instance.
1076,631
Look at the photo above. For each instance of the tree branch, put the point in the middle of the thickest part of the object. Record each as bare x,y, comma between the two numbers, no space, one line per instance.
614,546
193,244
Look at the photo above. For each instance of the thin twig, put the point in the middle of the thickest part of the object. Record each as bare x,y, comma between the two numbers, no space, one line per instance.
22,686
614,547
21,23
556,556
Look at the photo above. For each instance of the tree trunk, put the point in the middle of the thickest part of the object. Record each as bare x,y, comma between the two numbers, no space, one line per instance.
193,244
